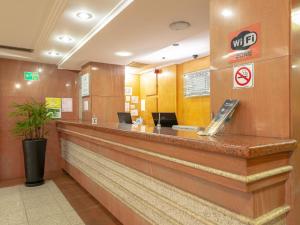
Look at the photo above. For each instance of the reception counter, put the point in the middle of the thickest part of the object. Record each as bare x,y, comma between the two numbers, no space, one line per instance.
143,175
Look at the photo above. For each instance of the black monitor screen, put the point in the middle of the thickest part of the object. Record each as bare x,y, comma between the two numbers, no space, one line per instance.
166,119
124,117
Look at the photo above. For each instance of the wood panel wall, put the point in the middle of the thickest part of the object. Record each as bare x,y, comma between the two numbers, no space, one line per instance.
148,91
294,182
106,98
194,110
52,83
133,81
167,89
264,109
272,107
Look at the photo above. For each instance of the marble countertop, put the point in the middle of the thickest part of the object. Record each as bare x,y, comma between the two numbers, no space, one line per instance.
235,145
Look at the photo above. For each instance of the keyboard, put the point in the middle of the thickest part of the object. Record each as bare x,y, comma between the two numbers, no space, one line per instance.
185,127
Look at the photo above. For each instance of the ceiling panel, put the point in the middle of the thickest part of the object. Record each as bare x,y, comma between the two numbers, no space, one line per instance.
21,21
143,28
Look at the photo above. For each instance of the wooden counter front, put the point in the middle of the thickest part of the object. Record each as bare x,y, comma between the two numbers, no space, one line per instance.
149,176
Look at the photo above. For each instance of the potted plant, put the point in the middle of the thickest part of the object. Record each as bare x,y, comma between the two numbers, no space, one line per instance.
31,120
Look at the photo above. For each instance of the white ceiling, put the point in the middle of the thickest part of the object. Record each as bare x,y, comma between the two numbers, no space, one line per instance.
195,45
137,26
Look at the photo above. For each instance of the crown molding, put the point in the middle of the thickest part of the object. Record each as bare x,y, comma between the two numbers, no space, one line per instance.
56,11
97,28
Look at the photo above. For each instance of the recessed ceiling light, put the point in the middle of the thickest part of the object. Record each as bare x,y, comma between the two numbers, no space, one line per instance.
294,66
296,17
94,68
29,83
179,25
123,54
53,53
65,39
227,13
84,15
40,69
17,85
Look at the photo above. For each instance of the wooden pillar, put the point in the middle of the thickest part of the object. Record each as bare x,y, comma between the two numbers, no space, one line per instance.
106,96
264,109
272,107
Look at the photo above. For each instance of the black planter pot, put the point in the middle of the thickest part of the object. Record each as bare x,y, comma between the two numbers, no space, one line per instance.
34,161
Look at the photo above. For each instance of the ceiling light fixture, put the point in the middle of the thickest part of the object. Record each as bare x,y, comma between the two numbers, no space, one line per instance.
296,17
179,25
29,82
40,69
227,13
17,85
53,53
94,68
84,15
294,66
123,54
65,39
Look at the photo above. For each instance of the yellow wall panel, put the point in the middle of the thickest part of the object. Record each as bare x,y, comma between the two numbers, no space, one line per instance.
151,106
167,90
165,94
149,84
133,80
193,110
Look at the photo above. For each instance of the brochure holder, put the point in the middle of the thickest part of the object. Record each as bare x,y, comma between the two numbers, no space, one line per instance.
224,114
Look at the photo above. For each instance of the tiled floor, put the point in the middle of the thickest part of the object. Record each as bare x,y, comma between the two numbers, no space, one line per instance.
60,201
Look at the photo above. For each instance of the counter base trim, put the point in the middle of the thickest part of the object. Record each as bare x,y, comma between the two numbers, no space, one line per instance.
244,179
155,201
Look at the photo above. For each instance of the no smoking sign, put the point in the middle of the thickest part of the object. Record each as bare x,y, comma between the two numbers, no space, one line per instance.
243,76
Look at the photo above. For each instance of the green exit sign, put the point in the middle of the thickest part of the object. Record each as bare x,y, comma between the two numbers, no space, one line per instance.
31,76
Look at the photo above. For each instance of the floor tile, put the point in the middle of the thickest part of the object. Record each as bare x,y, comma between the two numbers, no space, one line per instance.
39,201
41,212
73,218
61,201
56,219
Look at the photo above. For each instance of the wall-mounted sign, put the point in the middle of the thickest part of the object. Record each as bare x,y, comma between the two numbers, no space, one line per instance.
244,43
135,99
134,112
94,120
30,76
197,83
67,105
127,107
85,85
53,106
143,105
243,76
128,91
85,105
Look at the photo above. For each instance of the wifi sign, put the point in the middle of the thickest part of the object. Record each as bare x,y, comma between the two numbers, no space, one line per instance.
244,44
244,40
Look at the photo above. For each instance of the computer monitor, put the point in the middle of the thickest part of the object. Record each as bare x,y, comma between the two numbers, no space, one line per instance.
167,119
124,117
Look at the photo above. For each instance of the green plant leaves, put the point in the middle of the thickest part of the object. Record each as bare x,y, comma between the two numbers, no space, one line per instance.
31,119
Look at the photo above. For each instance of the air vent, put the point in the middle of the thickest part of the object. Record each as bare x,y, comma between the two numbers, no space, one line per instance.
16,48
137,65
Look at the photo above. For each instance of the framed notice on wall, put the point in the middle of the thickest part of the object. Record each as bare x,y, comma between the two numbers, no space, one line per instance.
85,85
197,83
